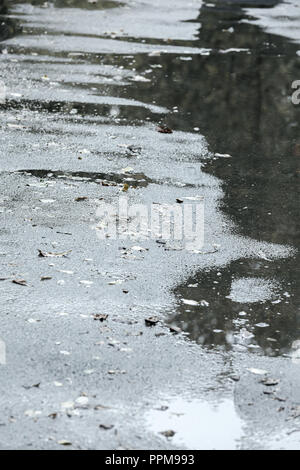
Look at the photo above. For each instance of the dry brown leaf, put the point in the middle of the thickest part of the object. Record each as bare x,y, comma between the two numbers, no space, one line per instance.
164,130
44,254
20,282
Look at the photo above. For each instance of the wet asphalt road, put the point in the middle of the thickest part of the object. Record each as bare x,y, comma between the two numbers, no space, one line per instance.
85,89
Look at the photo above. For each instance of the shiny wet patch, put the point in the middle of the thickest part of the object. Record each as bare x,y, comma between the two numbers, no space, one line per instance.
198,425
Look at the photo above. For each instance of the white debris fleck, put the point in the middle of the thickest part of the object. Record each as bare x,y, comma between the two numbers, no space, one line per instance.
190,302
67,405
262,325
82,401
257,371
58,384
86,283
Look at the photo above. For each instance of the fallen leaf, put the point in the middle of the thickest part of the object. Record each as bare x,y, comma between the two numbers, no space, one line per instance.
175,329
151,321
100,316
64,443
20,282
270,382
46,278
101,407
28,387
44,254
282,400
106,427
168,433
235,378
164,130
296,411
133,149
81,198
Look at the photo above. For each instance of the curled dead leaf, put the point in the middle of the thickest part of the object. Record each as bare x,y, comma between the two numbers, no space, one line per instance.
100,316
106,427
44,254
20,282
151,321
164,130
169,433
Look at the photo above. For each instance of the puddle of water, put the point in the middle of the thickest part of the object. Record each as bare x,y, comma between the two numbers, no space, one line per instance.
247,314
199,425
252,290
86,4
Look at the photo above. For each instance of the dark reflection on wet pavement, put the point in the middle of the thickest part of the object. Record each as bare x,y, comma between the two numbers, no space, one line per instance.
90,5
8,27
237,96
105,179
244,111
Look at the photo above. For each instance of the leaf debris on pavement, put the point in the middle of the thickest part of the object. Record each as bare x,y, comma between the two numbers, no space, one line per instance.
106,427
64,443
151,321
44,254
164,130
270,382
20,282
168,434
100,317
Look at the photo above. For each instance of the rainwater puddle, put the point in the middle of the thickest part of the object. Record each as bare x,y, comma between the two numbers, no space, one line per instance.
198,425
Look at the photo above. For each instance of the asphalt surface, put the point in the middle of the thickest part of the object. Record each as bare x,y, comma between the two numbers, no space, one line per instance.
85,91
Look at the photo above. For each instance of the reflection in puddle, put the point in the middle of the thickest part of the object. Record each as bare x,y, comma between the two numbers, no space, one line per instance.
106,179
252,290
226,309
87,4
8,27
239,101
199,425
